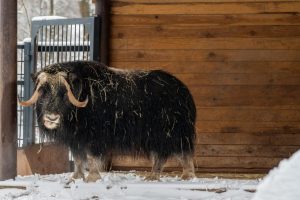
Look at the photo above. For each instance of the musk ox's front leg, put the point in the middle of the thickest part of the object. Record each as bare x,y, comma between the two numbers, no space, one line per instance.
95,164
186,160
78,173
157,167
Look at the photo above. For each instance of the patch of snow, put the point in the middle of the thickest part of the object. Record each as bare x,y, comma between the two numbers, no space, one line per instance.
128,186
42,18
282,183
27,39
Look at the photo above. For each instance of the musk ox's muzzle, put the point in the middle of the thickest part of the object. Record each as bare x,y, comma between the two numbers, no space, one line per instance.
52,120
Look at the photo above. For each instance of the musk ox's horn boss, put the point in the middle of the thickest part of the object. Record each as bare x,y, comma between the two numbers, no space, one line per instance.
96,110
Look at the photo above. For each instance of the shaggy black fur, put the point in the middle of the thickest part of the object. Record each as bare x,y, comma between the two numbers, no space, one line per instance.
128,111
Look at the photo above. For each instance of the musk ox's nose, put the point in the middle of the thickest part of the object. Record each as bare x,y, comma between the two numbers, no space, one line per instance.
51,121
52,117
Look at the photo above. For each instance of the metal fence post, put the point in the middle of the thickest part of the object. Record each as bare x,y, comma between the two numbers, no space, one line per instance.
28,124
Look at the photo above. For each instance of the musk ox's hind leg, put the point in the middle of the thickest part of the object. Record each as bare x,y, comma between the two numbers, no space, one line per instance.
157,167
186,160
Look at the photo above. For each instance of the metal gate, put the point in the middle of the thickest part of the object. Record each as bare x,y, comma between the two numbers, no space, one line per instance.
52,41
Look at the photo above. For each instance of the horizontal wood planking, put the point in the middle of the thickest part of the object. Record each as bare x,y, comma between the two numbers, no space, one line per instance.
187,67
207,43
260,128
198,1
264,114
258,138
245,95
205,20
207,162
167,31
201,79
196,8
203,172
205,55
244,151
241,67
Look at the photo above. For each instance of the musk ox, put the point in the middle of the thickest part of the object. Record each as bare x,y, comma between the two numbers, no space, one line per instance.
96,110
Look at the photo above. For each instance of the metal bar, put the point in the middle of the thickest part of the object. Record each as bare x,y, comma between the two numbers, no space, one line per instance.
79,39
62,43
52,44
46,37
88,53
71,41
41,40
28,88
49,43
75,43
57,56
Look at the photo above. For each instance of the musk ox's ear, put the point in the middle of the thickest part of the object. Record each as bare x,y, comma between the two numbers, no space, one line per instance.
34,76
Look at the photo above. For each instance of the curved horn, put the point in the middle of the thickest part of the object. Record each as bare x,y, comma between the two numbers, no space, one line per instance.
33,98
71,96
42,78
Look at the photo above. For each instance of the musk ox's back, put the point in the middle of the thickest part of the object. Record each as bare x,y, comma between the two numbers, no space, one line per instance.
147,111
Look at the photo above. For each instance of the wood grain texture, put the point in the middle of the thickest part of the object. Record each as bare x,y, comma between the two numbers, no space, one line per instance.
194,32
240,60
8,89
201,79
199,8
204,162
267,151
258,138
197,1
264,114
194,67
207,43
266,128
51,159
205,20
204,55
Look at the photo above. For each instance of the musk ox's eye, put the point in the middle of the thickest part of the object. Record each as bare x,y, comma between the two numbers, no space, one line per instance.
61,93
44,90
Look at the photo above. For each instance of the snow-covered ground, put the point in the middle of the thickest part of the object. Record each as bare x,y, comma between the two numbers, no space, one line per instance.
119,186
282,183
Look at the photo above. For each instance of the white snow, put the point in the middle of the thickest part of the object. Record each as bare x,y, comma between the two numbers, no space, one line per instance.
42,18
27,40
282,183
127,186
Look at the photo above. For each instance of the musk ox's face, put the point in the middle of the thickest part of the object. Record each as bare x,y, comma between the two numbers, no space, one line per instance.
54,98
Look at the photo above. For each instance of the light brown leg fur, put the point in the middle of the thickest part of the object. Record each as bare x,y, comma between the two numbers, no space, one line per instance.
94,165
187,163
157,168
106,163
79,164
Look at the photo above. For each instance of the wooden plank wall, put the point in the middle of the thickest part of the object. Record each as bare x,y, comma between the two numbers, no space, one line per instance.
241,61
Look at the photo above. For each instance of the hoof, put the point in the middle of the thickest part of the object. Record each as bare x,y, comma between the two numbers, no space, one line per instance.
77,175
187,176
92,177
152,177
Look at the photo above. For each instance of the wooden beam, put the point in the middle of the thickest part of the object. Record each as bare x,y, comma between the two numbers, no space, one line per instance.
8,88
103,10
